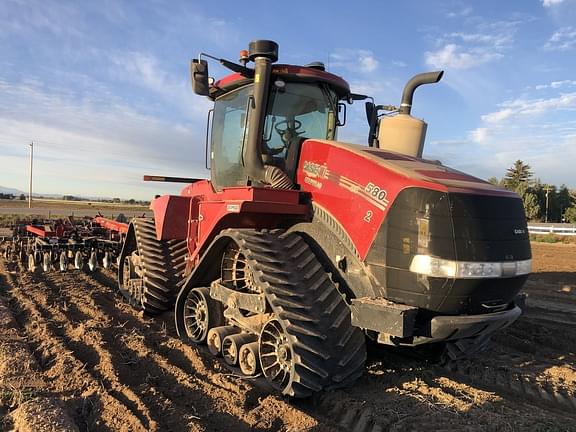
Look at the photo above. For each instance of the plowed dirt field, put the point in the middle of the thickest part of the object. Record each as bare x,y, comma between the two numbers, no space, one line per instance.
74,356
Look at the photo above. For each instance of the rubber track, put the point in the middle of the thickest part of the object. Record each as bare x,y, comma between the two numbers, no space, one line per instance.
508,381
328,350
164,263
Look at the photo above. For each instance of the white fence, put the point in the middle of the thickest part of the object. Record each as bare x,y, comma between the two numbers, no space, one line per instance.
558,229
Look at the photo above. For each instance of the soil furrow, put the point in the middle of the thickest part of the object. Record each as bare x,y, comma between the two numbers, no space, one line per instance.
66,363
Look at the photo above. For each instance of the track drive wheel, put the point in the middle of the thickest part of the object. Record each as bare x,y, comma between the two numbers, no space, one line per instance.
201,313
149,270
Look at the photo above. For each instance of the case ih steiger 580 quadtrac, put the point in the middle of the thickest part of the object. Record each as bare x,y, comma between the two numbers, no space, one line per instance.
300,247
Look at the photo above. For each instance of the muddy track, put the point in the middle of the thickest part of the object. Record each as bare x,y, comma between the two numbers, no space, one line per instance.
112,368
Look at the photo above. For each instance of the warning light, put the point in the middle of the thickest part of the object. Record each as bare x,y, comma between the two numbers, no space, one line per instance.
244,57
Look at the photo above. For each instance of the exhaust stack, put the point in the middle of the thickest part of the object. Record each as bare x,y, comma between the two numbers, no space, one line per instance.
403,133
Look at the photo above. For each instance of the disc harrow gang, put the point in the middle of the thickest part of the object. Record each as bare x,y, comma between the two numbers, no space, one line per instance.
150,270
282,313
55,245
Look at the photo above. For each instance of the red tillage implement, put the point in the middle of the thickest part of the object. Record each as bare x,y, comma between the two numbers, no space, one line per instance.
56,244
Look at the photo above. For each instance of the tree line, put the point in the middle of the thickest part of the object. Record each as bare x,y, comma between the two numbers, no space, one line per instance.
542,202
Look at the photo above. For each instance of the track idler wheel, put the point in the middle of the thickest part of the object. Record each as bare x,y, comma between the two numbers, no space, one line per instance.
248,359
201,313
217,335
231,346
276,354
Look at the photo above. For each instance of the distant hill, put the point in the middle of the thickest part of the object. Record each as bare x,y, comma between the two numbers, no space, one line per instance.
18,192
6,190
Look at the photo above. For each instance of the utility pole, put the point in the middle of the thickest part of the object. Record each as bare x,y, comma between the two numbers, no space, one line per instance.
30,186
547,190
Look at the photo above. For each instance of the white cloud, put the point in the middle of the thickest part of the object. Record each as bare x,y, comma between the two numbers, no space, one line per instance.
48,18
562,40
551,3
399,63
367,62
458,57
556,84
497,40
479,135
146,70
354,60
481,43
540,131
498,116
523,107
463,12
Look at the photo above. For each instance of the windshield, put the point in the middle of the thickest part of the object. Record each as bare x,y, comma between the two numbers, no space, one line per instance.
305,110
297,111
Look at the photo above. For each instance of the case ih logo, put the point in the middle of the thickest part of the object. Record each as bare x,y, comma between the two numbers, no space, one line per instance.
313,169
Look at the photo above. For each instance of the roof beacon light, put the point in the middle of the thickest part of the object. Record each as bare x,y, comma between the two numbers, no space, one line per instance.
244,57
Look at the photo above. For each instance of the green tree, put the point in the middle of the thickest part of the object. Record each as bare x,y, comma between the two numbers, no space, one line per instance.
517,176
531,206
570,214
564,200
22,197
494,181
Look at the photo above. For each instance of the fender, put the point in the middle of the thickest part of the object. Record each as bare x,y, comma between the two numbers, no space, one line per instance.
337,252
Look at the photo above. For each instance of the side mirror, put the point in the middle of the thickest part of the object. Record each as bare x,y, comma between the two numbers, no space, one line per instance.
341,114
199,75
372,117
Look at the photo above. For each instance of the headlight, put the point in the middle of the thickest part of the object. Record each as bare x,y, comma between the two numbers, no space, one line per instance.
438,267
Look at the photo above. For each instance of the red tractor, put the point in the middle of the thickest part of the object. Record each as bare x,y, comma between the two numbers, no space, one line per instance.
300,247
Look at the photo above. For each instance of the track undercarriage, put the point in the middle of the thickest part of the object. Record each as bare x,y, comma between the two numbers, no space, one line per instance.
274,307
149,270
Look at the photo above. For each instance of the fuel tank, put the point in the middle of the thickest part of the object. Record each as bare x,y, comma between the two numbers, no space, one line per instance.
427,235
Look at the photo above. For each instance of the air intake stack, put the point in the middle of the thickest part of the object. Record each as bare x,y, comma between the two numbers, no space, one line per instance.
403,133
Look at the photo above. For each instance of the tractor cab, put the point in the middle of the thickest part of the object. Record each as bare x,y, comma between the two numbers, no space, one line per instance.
262,116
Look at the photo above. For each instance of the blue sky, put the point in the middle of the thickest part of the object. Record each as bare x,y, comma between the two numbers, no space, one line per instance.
102,87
